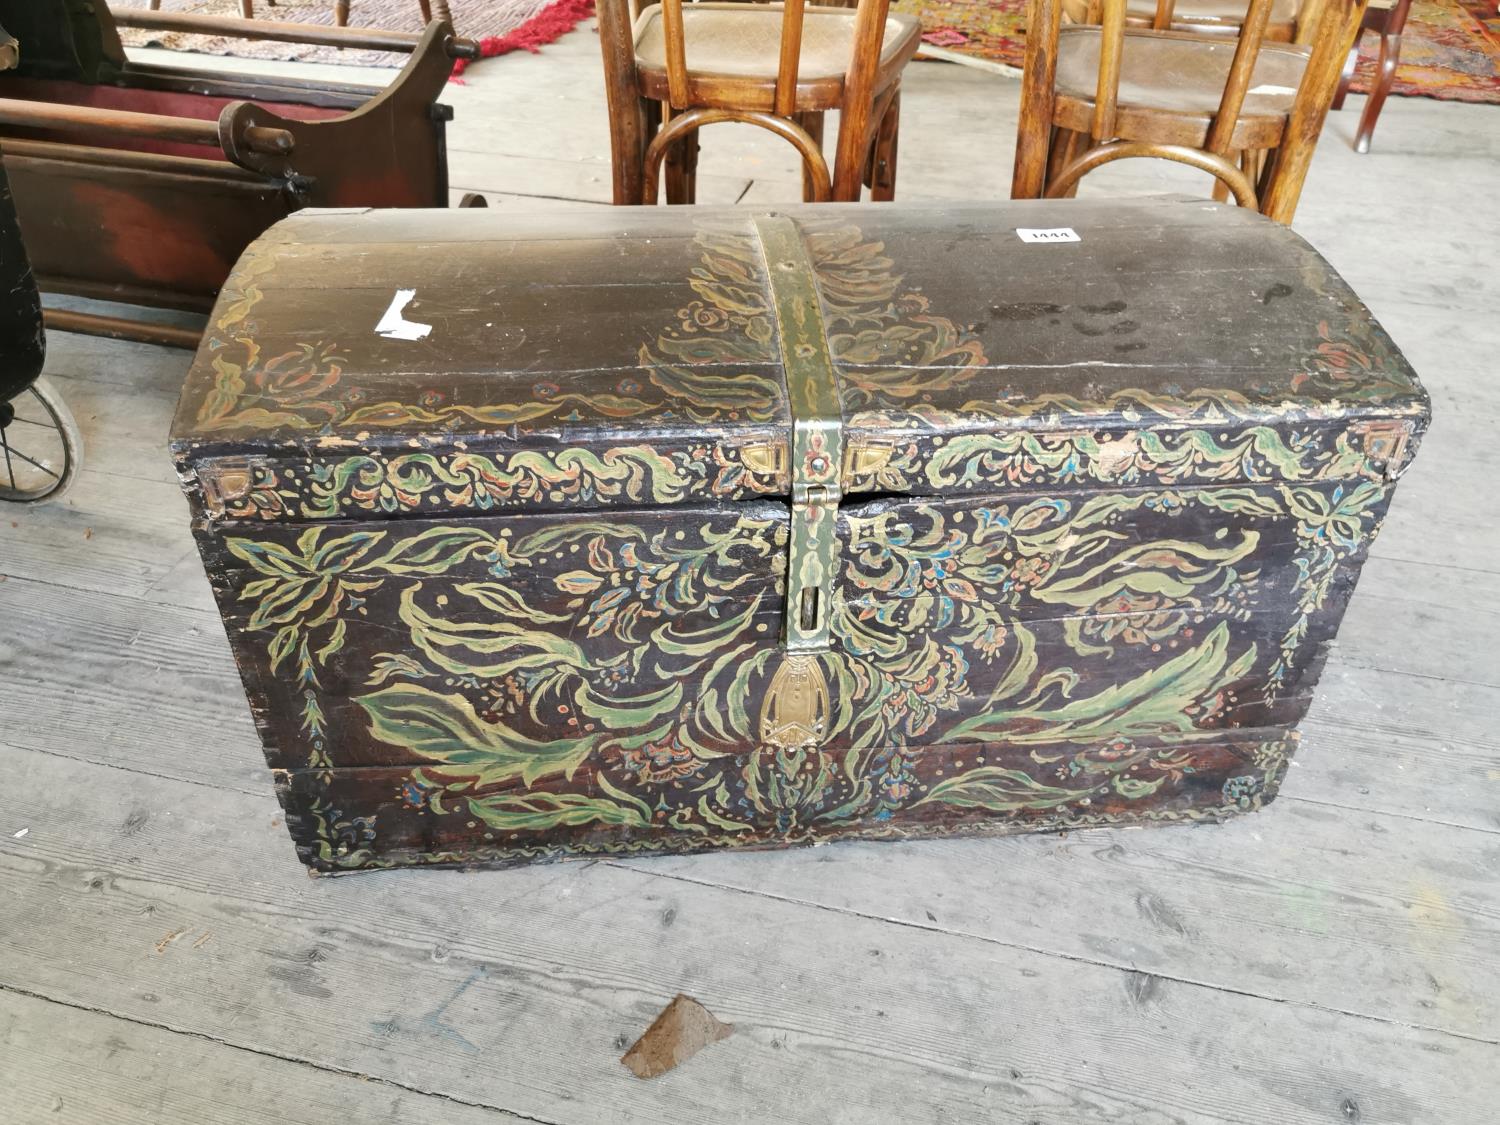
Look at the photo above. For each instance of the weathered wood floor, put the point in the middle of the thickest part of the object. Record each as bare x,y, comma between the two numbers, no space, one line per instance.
1334,959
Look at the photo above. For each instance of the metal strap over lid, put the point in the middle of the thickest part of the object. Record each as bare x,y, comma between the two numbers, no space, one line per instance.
817,432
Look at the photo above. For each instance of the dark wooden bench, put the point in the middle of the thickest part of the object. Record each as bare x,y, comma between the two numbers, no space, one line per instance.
143,183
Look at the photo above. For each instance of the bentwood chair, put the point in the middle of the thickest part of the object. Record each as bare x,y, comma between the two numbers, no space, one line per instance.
1246,111
1388,19
673,68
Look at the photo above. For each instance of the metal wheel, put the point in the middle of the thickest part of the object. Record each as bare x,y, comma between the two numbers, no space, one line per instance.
40,446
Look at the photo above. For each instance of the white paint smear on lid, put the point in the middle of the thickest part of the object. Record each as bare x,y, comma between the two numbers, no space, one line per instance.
394,326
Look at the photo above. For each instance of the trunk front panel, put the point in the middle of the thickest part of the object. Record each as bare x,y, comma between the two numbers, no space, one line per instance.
610,681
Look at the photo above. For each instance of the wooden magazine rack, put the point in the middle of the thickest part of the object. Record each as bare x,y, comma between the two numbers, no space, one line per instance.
144,183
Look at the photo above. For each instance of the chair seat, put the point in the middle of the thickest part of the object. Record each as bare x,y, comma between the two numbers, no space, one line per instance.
741,43
1168,73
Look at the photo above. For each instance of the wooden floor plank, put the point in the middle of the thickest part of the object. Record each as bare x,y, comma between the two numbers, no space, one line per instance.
1388,918
1411,746
528,204
587,181
178,905
97,360
120,652
1424,620
65,1064
123,425
1433,520
111,533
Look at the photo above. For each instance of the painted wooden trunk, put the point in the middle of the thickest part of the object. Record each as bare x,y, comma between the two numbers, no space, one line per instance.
664,530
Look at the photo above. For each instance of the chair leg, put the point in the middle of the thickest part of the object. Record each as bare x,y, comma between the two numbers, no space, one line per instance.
1249,160
882,172
442,11
633,120
1348,73
681,173
1390,57
247,9
341,13
813,123
628,155
1252,162
1065,147
690,167
1264,172
1038,98
426,8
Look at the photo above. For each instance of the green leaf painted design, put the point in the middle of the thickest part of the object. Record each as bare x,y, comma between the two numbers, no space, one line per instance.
1161,701
444,728
1000,790
542,811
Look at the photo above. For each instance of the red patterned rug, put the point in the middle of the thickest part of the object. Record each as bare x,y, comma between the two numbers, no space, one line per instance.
1451,48
501,26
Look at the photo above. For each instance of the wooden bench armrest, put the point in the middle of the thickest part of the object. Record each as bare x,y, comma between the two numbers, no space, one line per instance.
91,121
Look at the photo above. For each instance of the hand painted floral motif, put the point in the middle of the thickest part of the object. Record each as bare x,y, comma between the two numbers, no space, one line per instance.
579,477
597,672
646,474
343,841
993,460
1331,528
882,334
719,361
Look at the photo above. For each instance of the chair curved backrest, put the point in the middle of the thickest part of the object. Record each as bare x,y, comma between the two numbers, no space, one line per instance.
1280,182
870,17
1237,84
686,110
